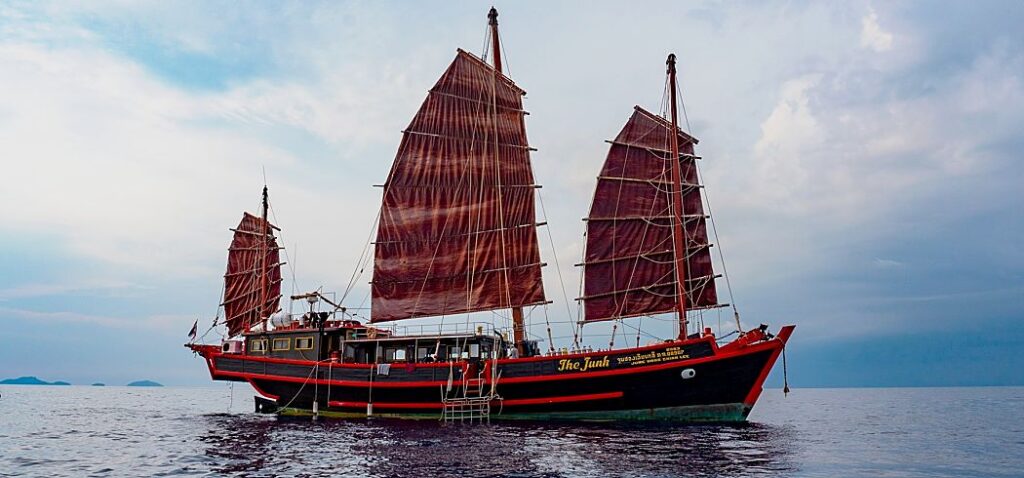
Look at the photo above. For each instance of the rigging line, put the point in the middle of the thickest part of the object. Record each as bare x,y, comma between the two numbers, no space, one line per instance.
499,193
357,272
682,103
721,255
643,237
478,108
290,261
638,331
558,267
551,340
299,392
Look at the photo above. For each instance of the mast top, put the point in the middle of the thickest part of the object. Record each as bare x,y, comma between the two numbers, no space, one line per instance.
671,62
492,17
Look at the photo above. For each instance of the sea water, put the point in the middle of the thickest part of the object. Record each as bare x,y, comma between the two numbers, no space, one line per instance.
124,431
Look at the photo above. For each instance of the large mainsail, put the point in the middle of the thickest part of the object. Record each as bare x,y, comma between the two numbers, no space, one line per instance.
457,229
252,284
630,255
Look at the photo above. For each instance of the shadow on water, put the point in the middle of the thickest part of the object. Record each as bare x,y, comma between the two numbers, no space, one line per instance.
260,445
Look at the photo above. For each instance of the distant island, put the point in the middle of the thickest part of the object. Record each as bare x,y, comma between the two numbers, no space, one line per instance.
144,383
99,384
30,381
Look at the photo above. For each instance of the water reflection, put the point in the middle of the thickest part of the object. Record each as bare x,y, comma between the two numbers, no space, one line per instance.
257,446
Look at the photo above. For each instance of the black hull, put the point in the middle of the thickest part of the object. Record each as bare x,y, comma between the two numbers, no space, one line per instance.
688,381
716,392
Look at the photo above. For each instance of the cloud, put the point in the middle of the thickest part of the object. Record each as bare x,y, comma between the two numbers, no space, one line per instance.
161,322
871,34
820,151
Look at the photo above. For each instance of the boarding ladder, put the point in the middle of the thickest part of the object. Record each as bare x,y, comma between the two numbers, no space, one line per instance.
470,403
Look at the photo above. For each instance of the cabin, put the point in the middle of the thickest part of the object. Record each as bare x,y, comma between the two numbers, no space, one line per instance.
348,341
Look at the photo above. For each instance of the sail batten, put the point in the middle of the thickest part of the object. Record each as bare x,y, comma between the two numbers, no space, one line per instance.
250,278
630,259
457,228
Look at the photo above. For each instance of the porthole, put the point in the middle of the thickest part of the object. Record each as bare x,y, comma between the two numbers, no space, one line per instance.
688,373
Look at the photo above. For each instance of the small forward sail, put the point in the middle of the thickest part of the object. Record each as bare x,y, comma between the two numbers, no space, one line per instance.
457,229
630,258
252,284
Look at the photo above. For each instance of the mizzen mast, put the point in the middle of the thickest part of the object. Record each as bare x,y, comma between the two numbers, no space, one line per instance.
679,248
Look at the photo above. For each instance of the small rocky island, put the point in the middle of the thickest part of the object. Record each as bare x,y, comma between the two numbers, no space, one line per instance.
30,381
144,383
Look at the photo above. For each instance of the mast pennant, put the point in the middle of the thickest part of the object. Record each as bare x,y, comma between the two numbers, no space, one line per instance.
250,277
629,263
457,225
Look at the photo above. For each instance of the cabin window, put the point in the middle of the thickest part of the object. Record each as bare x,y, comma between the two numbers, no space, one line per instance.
304,343
454,352
474,350
421,353
400,355
258,346
389,354
282,344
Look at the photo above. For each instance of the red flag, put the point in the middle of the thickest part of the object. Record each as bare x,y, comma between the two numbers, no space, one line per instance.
192,333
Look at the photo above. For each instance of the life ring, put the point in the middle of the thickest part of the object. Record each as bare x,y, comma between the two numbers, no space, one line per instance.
371,333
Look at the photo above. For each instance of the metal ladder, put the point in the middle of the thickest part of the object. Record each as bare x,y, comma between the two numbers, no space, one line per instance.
472,406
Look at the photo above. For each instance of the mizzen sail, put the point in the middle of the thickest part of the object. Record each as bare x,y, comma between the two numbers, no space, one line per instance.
630,258
252,284
457,229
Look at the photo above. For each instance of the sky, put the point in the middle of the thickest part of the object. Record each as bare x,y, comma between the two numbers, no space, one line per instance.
862,161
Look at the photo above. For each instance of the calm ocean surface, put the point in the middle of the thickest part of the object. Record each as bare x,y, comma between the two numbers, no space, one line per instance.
120,431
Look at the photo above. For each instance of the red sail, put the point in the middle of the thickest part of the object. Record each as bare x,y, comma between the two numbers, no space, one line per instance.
247,274
457,226
629,265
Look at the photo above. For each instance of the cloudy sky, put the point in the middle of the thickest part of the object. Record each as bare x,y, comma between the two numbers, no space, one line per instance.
862,160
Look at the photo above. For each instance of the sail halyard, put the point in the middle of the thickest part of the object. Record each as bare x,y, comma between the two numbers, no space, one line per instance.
518,324
647,228
457,228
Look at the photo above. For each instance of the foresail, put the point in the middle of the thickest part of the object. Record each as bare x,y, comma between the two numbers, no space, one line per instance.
247,274
457,229
629,263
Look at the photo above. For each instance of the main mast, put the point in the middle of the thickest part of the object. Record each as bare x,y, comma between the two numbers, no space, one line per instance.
679,249
518,327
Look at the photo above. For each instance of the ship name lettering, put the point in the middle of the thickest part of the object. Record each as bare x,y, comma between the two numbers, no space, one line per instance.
582,366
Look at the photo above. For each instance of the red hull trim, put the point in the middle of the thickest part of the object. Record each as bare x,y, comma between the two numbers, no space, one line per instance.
755,391
507,403
565,399
772,344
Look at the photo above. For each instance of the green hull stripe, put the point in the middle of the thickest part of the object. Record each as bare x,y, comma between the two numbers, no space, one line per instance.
732,412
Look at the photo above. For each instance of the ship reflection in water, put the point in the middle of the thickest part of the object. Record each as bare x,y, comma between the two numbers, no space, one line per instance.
278,446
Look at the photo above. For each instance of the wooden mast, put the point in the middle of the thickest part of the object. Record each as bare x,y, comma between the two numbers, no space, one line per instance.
265,231
492,17
679,248
518,327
